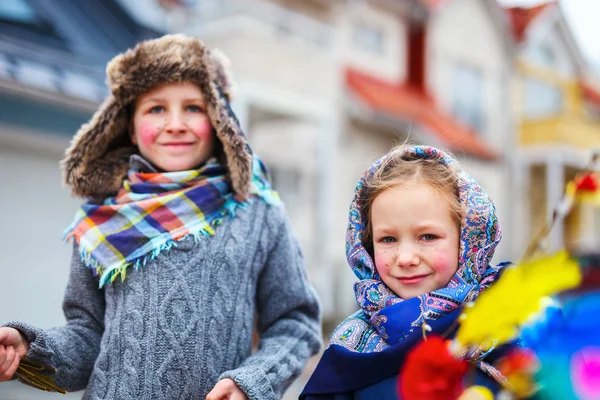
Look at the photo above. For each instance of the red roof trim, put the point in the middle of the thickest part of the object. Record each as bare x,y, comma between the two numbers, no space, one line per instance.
431,3
521,17
590,94
414,105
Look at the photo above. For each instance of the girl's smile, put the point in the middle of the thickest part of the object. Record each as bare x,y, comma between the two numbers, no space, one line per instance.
415,239
413,280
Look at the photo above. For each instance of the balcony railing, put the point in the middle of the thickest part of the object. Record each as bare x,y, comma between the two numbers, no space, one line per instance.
222,15
25,65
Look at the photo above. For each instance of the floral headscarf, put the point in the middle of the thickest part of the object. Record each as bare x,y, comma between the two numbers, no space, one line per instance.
385,319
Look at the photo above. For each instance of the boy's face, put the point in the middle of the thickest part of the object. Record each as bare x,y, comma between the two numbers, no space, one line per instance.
171,127
415,239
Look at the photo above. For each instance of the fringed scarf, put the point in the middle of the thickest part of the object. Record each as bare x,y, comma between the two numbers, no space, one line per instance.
154,210
377,337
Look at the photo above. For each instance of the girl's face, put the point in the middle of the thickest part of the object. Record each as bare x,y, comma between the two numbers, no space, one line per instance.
415,239
171,128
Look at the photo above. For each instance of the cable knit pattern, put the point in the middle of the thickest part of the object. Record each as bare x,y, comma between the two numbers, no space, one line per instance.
177,325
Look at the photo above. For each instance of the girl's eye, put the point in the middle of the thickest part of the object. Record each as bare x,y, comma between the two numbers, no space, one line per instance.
388,239
429,237
194,109
156,110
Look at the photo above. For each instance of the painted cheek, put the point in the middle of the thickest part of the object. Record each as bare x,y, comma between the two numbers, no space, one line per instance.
148,132
203,129
382,263
444,265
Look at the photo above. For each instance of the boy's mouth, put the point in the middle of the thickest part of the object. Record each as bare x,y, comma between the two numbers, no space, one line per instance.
177,144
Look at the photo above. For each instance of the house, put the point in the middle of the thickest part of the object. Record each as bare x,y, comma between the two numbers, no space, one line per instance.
325,87
559,117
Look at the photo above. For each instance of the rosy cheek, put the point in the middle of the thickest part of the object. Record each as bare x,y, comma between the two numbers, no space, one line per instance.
381,262
203,129
445,264
147,133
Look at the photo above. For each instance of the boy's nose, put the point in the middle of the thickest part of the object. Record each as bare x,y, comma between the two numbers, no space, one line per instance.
175,123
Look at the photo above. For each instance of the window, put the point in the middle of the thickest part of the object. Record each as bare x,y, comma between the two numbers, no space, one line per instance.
368,38
542,54
468,97
541,99
18,11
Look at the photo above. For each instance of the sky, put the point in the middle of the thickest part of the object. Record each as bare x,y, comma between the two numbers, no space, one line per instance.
583,17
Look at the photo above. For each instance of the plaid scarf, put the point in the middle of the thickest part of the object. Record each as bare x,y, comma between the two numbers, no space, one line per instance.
152,211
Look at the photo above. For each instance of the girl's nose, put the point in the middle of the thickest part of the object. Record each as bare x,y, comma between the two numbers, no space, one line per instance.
406,255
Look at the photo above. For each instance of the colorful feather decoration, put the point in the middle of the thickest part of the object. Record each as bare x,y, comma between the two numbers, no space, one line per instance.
566,341
540,303
498,313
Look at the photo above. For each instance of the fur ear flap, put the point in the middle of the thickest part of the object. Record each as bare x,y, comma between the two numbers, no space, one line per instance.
235,144
101,138
222,72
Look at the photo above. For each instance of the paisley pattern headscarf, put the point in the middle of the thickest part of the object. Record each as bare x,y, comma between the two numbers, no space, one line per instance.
384,318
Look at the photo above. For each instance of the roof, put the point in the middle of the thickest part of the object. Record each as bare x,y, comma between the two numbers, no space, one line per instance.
414,105
96,30
63,46
521,17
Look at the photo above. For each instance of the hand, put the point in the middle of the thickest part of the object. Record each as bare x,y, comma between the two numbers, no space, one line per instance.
13,347
226,389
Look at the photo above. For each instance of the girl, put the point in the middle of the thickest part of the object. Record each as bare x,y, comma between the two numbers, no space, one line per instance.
420,238
185,249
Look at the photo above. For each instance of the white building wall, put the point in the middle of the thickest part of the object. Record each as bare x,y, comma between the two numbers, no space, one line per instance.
34,266
297,67
39,208
492,177
390,63
291,147
463,32
546,46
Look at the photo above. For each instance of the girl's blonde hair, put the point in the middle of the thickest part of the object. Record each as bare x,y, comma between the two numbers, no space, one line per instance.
401,168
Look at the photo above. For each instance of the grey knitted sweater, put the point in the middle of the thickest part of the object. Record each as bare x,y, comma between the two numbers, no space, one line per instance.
182,322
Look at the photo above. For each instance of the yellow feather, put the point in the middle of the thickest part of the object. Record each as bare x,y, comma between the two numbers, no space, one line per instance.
514,299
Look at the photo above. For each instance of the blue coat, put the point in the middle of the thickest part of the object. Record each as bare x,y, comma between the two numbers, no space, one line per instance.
386,389
345,375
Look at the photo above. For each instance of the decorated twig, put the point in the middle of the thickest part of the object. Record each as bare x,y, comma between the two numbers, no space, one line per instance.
584,182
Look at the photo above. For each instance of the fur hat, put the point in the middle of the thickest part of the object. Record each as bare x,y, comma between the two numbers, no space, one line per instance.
98,158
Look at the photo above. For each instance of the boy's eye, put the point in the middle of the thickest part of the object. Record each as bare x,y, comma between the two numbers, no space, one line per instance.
388,239
429,236
194,109
156,110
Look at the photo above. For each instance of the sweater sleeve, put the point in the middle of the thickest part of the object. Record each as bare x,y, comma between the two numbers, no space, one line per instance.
288,321
71,349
